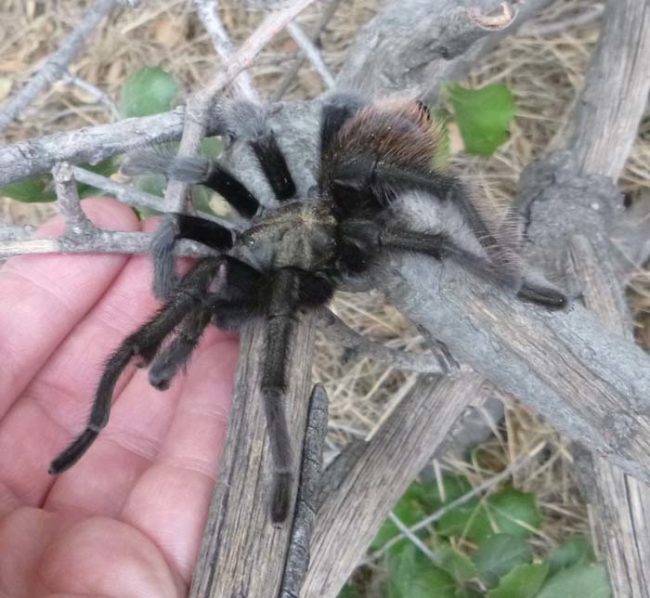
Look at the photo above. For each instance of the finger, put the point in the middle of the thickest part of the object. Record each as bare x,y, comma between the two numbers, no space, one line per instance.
43,297
55,402
45,554
185,469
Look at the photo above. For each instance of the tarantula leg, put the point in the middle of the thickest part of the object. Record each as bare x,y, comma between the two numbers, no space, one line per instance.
274,165
542,293
232,303
167,362
289,291
181,226
144,342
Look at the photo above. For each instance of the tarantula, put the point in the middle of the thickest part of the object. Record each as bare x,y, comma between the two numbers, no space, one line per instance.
293,254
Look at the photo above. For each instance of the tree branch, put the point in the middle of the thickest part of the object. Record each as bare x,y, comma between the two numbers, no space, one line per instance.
57,64
417,45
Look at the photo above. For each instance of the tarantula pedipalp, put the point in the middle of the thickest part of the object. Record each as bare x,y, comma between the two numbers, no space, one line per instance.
298,247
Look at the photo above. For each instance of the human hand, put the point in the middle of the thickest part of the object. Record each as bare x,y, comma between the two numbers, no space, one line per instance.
127,519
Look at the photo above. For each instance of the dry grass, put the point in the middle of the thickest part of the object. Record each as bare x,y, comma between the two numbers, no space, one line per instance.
544,72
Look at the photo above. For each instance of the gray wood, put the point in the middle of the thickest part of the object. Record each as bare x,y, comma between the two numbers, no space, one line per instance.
378,475
243,553
415,46
604,131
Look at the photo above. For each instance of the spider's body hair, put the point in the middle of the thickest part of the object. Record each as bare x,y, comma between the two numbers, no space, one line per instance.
295,235
374,192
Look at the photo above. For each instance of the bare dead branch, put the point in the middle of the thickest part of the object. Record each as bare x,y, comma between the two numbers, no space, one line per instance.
288,78
102,242
387,463
307,501
208,12
57,64
91,144
198,106
622,503
599,125
241,547
415,46
425,363
311,53
102,97
77,224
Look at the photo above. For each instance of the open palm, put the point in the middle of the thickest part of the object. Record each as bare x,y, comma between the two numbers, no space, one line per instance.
127,519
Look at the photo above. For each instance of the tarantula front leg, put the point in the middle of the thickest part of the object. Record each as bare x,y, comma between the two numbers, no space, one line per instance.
182,226
143,343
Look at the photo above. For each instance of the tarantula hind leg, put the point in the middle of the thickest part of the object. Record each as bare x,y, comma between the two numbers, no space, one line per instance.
289,291
143,343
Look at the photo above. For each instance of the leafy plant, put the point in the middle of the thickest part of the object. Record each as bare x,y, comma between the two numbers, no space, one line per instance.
483,116
479,549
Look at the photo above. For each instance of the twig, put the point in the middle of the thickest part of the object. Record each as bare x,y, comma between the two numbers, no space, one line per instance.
198,106
560,25
405,532
77,224
134,197
208,12
102,242
425,363
289,77
102,97
91,144
312,53
56,66
15,232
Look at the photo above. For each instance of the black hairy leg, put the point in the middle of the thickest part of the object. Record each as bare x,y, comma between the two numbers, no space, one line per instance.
368,240
182,226
232,190
174,356
143,344
289,290
231,301
274,165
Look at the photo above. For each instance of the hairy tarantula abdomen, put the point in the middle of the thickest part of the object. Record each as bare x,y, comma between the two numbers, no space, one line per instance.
368,189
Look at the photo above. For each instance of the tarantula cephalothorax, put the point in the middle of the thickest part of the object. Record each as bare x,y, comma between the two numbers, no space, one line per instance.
293,255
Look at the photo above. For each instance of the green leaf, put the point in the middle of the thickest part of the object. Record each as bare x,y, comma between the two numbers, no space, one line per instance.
514,512
469,520
500,554
148,91
212,147
457,564
33,190
523,582
40,188
576,550
468,593
434,495
579,581
349,591
409,510
413,575
483,116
